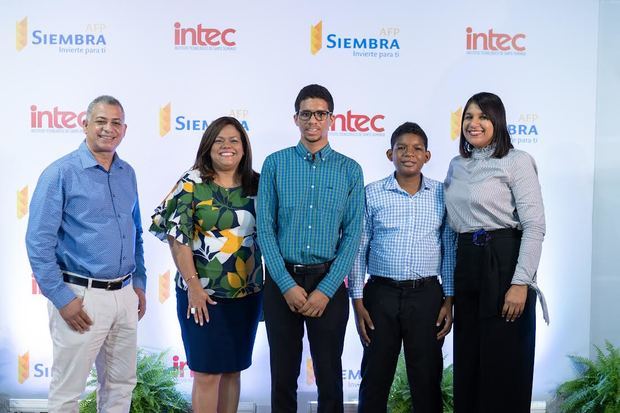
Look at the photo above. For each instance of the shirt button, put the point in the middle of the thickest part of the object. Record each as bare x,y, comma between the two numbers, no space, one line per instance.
312,186
310,206
309,226
119,215
307,246
124,258
313,166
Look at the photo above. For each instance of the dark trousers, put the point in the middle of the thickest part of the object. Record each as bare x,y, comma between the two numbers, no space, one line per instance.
285,331
404,316
493,358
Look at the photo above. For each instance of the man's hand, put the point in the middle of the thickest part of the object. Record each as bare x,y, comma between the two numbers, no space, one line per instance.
296,298
362,320
141,302
315,305
514,302
74,314
445,316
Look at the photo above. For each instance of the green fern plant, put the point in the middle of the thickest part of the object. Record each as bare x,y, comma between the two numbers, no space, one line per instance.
597,387
399,399
155,391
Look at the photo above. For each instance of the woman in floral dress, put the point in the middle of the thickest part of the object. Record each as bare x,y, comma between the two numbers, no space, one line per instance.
208,219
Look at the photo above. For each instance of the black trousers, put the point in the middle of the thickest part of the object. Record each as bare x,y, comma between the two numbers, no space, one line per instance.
493,358
407,317
285,331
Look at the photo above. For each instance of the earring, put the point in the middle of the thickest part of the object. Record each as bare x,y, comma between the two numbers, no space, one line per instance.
468,147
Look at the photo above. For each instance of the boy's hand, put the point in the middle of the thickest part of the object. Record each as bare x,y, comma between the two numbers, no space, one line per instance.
445,316
315,304
362,319
295,298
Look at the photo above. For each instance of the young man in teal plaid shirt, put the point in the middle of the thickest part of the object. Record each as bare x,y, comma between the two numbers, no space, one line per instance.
406,247
309,217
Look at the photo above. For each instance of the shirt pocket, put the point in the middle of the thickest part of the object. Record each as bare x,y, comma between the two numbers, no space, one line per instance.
333,196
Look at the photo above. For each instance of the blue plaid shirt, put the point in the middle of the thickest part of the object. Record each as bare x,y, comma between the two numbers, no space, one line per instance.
405,236
309,211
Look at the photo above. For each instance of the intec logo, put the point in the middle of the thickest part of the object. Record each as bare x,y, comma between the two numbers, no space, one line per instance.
492,43
384,45
352,124
203,38
179,365
55,120
23,367
36,290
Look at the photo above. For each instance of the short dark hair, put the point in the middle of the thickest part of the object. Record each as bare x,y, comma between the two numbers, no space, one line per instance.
408,127
204,163
315,91
106,100
492,106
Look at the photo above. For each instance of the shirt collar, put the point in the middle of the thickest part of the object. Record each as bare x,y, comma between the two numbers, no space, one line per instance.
391,184
88,159
305,153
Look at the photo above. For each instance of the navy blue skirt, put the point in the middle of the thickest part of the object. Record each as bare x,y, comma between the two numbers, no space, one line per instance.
225,343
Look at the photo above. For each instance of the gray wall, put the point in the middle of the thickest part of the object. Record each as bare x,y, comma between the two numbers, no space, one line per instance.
605,323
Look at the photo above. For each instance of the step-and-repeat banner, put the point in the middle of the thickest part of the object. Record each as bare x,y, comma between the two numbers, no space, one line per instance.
176,66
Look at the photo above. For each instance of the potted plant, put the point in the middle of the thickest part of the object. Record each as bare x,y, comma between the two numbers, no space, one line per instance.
596,389
399,399
155,391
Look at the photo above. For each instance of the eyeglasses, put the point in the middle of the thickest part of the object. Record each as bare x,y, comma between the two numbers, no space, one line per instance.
319,115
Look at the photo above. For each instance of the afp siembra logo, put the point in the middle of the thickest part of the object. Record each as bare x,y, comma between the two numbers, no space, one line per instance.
385,45
90,40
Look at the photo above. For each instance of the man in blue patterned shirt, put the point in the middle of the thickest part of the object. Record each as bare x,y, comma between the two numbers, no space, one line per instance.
84,242
309,217
406,244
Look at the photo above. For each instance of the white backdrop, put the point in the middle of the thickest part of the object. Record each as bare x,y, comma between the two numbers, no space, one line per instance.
540,57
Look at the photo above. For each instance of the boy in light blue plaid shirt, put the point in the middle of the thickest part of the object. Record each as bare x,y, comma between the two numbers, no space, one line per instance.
406,247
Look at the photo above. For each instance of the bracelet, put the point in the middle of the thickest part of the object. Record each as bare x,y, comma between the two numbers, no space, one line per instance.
191,278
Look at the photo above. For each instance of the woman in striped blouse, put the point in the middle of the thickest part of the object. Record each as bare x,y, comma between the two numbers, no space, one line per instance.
494,202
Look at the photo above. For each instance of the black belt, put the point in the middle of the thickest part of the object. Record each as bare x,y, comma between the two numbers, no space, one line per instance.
106,285
481,238
415,283
310,269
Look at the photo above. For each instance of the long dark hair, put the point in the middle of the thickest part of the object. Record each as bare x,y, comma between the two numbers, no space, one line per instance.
249,178
492,106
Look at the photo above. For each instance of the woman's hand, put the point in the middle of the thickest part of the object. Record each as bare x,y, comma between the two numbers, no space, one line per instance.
514,302
197,299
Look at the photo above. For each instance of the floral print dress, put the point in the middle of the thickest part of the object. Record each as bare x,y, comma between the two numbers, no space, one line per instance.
219,225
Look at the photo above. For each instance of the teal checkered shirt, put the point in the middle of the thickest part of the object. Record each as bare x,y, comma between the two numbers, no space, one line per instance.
310,210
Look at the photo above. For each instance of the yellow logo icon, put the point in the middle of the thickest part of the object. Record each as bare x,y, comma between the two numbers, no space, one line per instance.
23,367
309,371
455,123
164,120
21,34
316,37
164,286
22,202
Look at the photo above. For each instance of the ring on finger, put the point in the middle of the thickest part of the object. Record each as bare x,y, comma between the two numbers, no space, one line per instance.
192,310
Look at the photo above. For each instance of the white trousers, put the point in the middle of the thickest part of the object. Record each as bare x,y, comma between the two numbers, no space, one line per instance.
111,343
